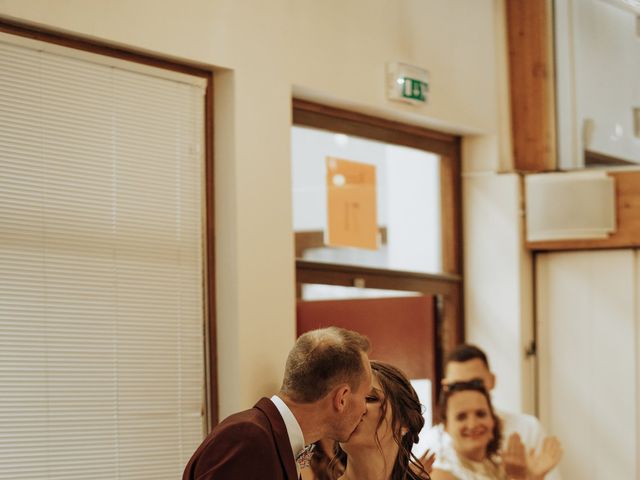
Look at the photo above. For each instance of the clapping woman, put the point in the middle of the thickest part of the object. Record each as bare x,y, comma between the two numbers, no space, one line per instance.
470,420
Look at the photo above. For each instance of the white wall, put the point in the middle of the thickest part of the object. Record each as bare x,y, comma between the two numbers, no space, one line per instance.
330,50
498,304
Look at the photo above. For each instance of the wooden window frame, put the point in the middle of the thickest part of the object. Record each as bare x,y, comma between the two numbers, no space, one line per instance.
447,286
102,48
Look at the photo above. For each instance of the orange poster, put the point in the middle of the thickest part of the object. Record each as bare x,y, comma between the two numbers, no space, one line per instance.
351,204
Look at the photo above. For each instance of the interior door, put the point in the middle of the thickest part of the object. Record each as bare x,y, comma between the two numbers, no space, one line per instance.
401,331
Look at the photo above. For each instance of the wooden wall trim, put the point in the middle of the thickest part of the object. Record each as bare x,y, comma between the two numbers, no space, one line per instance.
210,272
315,115
346,275
307,239
102,48
627,232
597,159
532,85
451,210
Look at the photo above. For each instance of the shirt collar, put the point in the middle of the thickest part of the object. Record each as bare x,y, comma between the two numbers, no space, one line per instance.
296,439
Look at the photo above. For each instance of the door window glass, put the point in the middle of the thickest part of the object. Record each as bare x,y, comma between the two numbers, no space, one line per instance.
407,186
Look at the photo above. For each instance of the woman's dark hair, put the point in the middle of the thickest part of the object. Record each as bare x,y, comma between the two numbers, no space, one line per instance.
474,386
406,411
322,462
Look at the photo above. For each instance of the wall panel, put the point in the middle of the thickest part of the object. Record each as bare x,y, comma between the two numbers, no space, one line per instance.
587,331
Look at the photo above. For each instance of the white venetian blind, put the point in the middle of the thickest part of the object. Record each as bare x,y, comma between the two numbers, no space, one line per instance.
101,266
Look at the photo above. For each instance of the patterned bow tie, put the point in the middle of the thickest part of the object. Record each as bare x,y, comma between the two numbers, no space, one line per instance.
304,456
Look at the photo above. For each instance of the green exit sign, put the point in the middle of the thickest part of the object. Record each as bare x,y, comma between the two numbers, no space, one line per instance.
407,83
414,89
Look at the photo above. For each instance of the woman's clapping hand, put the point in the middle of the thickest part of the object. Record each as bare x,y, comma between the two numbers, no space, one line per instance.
531,466
539,464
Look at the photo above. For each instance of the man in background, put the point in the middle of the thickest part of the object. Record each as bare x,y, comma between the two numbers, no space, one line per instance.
327,377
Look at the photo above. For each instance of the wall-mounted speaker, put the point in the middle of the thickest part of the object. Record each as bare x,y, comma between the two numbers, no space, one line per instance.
570,206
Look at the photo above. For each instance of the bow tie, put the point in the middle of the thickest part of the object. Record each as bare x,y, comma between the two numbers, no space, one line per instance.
304,456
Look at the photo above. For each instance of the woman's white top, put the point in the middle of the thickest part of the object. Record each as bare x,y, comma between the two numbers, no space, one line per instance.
465,469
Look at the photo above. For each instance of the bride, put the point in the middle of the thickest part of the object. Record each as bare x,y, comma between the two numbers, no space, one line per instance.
380,448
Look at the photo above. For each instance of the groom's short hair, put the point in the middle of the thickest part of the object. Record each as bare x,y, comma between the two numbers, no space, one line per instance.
322,359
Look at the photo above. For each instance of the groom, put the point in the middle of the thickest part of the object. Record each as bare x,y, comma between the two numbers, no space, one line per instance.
327,377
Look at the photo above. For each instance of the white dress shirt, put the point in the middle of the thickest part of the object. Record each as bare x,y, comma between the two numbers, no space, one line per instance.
296,439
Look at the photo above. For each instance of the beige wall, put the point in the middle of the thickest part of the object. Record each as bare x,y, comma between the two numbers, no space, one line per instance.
330,50
498,279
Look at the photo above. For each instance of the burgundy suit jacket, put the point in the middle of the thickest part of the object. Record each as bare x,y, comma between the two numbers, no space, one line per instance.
253,444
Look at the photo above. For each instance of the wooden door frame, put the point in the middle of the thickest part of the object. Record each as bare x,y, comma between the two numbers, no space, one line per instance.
448,146
448,287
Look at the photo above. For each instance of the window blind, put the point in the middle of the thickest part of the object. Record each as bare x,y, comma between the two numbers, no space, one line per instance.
101,266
